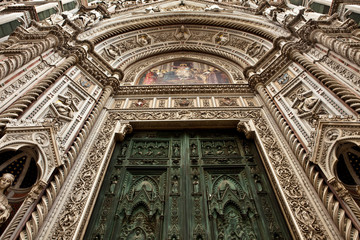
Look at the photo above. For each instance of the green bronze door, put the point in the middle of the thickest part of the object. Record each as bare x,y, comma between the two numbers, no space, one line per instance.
186,185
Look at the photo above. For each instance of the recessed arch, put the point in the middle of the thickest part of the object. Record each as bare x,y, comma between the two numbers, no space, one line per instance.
121,50
246,23
233,70
22,163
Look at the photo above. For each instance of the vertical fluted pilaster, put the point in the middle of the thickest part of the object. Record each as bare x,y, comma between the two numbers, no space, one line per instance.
17,60
21,104
287,132
342,91
80,139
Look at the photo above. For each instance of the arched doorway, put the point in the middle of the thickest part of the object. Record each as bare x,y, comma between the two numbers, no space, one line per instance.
195,184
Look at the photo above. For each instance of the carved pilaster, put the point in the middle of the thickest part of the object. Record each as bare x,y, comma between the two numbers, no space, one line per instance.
51,191
342,91
326,195
20,105
19,56
291,138
84,132
344,49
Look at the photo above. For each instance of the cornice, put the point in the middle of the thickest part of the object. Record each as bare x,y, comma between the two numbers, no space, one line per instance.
270,71
184,89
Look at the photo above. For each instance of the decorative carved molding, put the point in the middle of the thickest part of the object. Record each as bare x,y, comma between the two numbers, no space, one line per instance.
19,106
308,223
184,89
331,134
343,92
344,223
53,188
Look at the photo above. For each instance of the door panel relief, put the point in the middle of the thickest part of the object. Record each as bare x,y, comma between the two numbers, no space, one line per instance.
186,185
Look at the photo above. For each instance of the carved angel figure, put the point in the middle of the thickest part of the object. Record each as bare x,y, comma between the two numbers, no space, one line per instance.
6,181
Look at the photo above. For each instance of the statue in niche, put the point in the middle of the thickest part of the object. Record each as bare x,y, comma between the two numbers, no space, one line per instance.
175,185
182,33
196,184
233,226
176,150
6,181
64,107
137,234
247,149
193,149
123,150
112,51
114,181
306,104
258,183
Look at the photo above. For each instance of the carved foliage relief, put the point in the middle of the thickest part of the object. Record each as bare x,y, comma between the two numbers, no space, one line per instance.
116,52
300,208
139,197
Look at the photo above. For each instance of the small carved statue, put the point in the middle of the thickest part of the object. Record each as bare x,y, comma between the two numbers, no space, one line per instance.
113,183
196,184
123,150
193,149
64,108
175,185
306,103
258,183
6,181
182,34
176,150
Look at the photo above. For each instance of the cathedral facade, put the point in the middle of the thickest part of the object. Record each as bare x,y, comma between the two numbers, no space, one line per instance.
181,120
